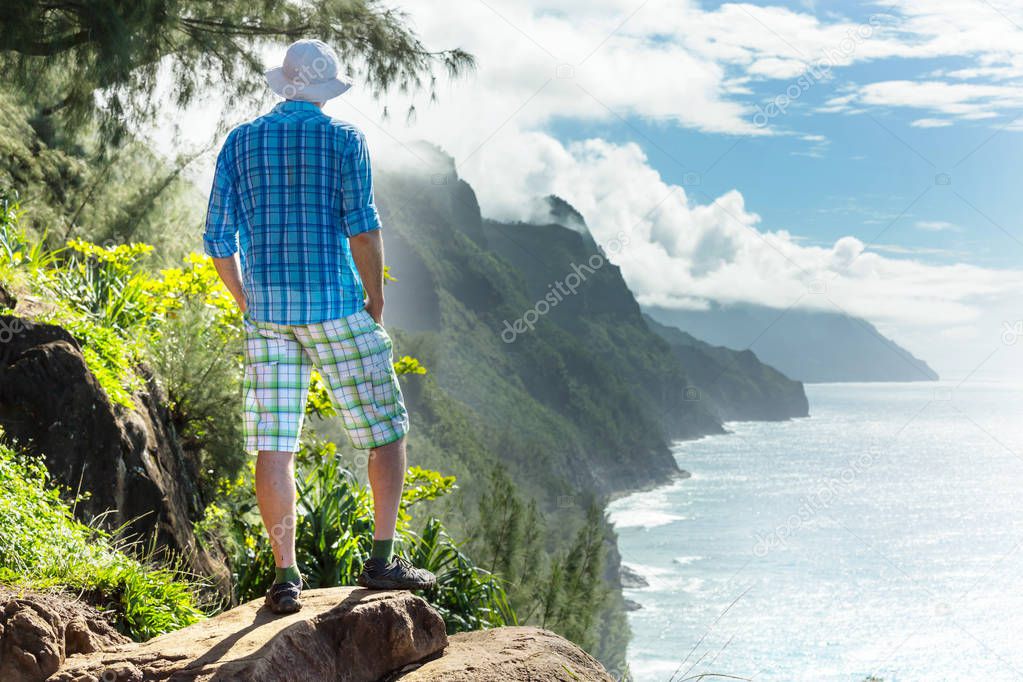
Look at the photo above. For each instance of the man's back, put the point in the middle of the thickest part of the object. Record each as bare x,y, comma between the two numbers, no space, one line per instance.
295,184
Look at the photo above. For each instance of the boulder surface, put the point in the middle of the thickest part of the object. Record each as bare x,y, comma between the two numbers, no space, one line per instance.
509,654
345,634
38,631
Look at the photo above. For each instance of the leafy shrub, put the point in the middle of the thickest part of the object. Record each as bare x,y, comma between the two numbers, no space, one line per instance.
104,284
198,361
334,535
42,545
17,251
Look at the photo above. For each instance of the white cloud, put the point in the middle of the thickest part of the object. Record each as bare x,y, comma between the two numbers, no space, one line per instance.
683,252
970,101
931,123
937,226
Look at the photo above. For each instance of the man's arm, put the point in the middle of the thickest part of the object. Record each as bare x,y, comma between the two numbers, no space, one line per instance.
368,254
231,276
220,240
361,222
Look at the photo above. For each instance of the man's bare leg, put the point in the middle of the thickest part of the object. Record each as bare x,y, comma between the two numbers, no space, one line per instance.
386,477
275,494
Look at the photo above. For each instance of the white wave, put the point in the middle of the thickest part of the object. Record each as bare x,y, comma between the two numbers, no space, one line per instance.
643,518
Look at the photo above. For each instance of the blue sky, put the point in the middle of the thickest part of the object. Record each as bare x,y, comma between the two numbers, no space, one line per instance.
865,178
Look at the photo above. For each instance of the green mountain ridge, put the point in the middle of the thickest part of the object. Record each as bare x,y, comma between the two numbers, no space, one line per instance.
740,387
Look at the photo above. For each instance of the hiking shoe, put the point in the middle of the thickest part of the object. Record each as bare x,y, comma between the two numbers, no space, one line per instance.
284,597
398,574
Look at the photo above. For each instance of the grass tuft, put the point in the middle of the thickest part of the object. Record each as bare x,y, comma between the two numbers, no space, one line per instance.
43,546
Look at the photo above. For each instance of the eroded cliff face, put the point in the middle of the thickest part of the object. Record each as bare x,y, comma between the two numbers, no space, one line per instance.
128,460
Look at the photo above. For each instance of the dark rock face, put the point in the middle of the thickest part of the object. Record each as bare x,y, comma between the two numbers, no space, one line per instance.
39,631
7,299
508,655
632,580
129,460
345,634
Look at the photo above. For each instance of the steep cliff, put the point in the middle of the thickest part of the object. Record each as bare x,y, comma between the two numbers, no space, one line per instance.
563,417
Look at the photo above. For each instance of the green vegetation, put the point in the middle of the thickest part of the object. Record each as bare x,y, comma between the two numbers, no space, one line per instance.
108,299
42,546
72,189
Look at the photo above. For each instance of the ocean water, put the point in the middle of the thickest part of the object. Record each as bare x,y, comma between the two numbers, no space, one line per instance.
881,536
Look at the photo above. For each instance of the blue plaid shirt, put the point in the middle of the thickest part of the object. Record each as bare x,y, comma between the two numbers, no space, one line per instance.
290,188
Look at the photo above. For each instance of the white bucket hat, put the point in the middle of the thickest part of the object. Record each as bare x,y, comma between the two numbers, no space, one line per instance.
309,73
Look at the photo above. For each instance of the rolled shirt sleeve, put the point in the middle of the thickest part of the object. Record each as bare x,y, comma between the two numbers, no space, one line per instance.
359,208
220,239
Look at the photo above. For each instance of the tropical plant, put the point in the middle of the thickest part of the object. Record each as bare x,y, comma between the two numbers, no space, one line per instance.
467,596
20,256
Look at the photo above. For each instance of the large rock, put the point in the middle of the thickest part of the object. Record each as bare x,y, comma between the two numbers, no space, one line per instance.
507,655
129,460
342,634
38,631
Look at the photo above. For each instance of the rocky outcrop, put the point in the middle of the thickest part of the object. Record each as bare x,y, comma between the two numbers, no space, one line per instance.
343,634
507,655
128,460
39,631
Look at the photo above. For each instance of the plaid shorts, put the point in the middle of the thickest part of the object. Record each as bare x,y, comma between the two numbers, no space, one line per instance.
352,354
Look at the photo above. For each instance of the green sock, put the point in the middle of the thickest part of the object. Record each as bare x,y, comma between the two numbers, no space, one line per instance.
289,574
382,549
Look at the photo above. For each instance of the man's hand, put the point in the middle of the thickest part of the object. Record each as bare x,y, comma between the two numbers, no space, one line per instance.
375,308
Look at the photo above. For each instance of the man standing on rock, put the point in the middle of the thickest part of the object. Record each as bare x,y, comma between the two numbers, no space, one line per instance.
294,188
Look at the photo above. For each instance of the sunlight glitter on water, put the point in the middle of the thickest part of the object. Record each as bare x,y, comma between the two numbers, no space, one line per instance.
880,536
